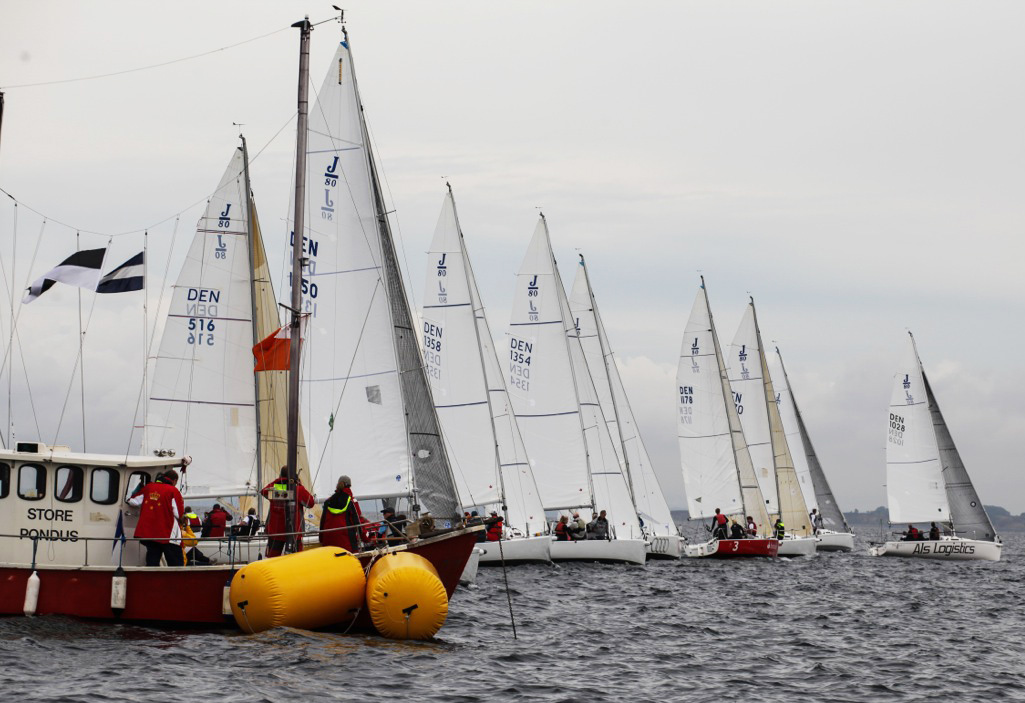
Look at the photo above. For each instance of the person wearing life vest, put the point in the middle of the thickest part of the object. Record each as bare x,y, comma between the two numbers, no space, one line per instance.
495,528
562,530
161,509
341,519
719,525
195,523
912,534
779,528
275,492
752,527
934,532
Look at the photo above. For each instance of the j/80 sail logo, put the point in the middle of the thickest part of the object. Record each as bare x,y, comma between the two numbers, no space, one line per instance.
327,210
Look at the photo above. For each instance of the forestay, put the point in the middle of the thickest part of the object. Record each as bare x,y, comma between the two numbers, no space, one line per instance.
366,401
745,373
914,477
648,498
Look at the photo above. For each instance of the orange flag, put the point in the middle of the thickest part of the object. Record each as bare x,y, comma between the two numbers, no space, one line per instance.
272,353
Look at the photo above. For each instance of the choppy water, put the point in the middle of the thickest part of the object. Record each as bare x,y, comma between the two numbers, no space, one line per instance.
836,627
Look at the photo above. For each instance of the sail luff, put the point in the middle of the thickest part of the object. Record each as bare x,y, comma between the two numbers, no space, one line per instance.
832,517
250,228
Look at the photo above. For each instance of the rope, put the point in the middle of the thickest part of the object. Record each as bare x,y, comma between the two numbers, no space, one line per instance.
508,593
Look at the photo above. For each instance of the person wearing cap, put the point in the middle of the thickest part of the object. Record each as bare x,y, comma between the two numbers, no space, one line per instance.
577,527
392,527
342,520
494,532
274,491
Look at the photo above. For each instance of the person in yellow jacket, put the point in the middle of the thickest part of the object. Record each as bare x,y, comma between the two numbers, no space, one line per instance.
190,546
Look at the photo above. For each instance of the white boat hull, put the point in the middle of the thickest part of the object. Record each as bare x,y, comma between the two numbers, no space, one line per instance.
521,550
797,546
947,549
469,575
830,541
614,551
666,547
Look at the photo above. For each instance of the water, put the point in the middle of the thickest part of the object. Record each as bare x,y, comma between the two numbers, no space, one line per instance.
836,627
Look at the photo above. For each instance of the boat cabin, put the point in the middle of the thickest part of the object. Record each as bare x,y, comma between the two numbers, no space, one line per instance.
68,507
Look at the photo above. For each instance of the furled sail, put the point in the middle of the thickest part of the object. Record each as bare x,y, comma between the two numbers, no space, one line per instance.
646,492
487,453
366,402
915,489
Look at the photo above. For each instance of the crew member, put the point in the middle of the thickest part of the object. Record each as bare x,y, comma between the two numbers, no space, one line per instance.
934,532
562,530
341,521
194,522
218,518
718,525
912,534
779,528
495,528
276,537
816,520
752,527
392,528
736,531
160,510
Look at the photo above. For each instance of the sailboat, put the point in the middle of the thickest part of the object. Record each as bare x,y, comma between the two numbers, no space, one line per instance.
567,437
718,474
70,509
755,399
469,389
663,537
835,535
926,480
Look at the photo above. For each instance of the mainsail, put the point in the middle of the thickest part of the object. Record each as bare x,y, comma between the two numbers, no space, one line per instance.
205,399
484,445
366,404
716,463
647,494
915,490
832,517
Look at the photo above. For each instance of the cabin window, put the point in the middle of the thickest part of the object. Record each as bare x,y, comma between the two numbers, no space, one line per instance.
103,489
31,482
5,480
69,484
136,480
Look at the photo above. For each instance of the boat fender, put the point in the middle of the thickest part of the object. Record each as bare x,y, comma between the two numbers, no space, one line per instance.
309,589
226,600
118,591
405,597
32,594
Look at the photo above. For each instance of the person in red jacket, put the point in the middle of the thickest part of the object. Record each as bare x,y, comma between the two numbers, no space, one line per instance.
276,537
218,518
161,510
495,528
341,521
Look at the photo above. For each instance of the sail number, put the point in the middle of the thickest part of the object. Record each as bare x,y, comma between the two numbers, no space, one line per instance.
520,353
432,349
686,405
897,427
201,331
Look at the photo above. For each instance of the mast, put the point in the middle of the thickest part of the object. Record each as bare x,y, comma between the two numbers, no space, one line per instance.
472,281
605,354
297,261
250,236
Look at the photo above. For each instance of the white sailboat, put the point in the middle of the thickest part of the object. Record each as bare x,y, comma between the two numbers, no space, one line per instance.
717,469
366,407
755,399
664,540
926,480
834,534
488,456
574,460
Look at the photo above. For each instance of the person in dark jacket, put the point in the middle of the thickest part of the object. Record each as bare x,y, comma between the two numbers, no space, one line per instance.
736,531
719,525
934,532
779,528
341,523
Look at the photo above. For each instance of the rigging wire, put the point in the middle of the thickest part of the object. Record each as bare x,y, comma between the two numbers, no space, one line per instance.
156,65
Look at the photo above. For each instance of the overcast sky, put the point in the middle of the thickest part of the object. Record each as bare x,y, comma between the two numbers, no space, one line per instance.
857,167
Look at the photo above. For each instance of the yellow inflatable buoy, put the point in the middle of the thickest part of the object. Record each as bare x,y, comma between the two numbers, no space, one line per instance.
405,597
310,589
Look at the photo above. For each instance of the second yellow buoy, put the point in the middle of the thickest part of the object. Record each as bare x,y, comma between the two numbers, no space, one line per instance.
405,597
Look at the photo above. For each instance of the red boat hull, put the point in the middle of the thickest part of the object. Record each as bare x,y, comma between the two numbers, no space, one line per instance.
734,549
182,595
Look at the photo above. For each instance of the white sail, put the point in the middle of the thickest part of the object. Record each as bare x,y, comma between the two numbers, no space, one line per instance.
703,427
792,430
745,372
487,453
915,489
202,396
365,401
648,498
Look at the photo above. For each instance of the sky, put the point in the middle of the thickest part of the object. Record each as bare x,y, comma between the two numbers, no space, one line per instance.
856,167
